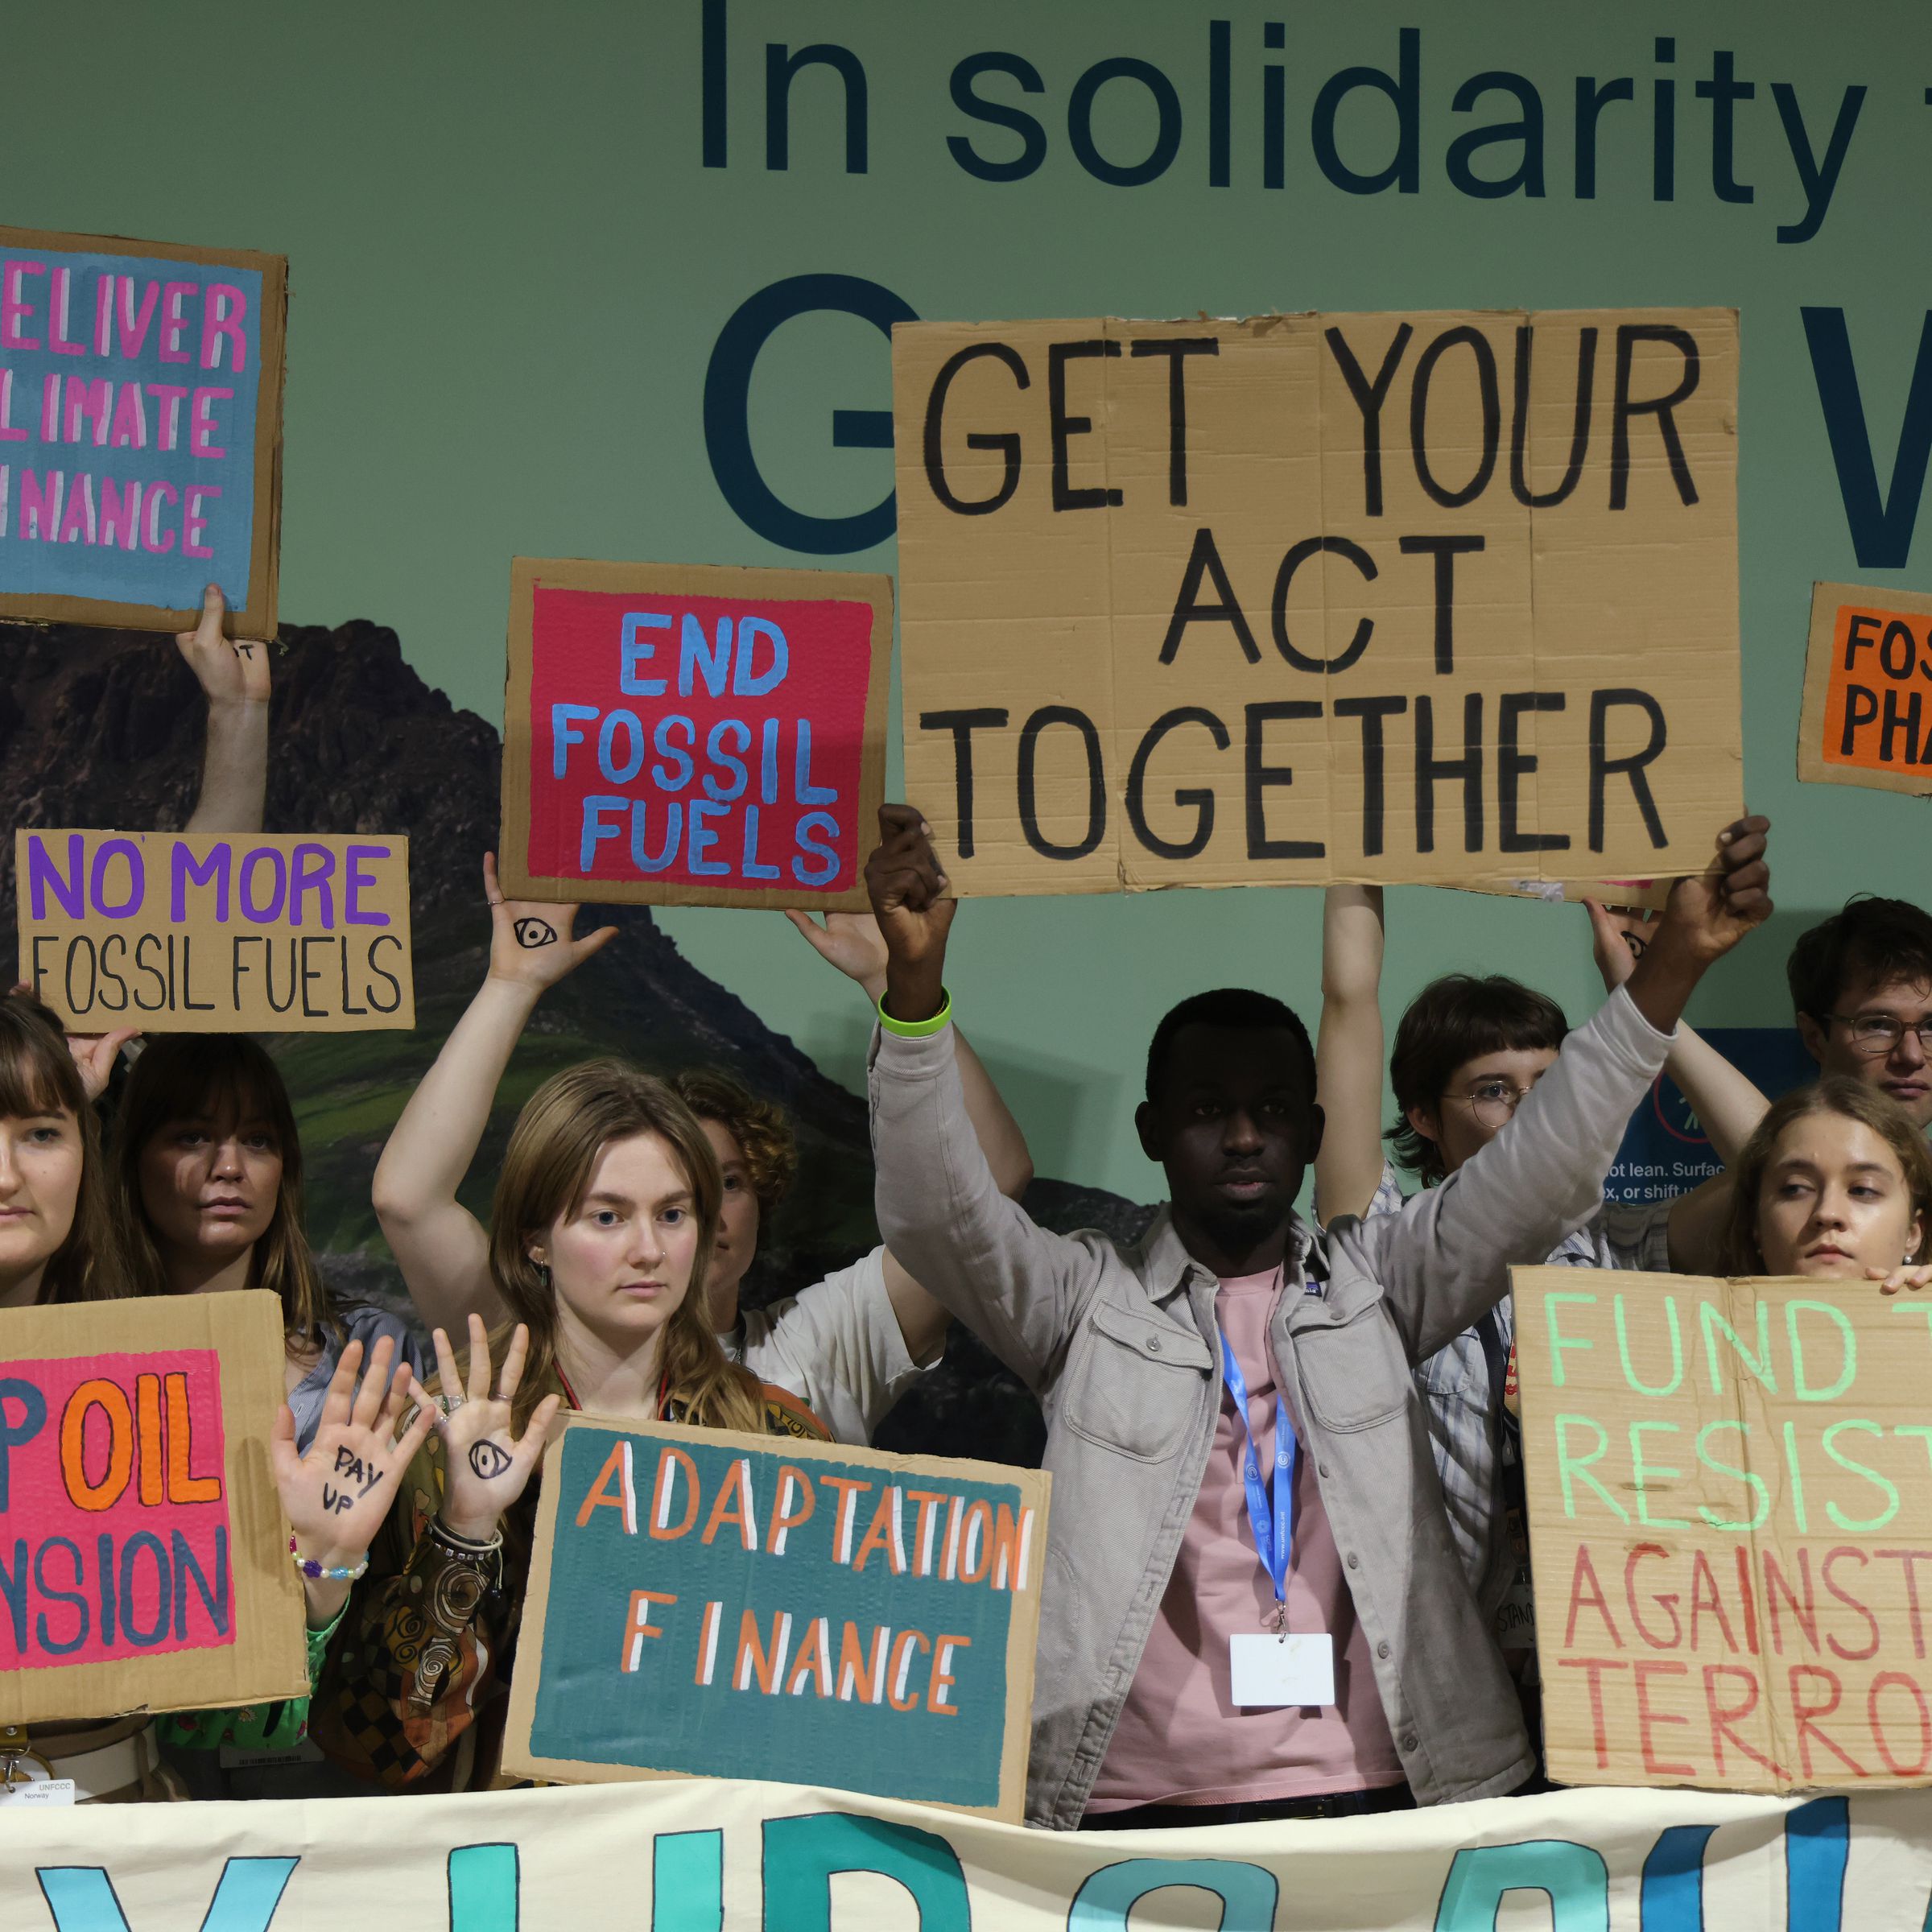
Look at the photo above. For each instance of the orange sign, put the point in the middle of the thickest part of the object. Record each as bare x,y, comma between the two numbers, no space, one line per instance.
1868,709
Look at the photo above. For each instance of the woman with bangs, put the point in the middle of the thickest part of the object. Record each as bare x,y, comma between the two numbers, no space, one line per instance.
56,1238
600,1230
207,1172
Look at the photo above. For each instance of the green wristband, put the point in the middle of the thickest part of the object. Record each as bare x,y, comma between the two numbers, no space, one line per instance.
918,1030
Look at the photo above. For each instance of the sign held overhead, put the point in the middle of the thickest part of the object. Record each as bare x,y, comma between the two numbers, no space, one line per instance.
212,932
1448,598
678,734
140,431
1868,710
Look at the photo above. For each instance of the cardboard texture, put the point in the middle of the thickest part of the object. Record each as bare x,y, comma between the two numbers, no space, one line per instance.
687,735
143,1553
1866,718
1439,598
713,1604
1730,1497
141,410
217,932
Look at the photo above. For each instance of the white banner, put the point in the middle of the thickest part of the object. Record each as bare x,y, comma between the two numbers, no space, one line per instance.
697,1856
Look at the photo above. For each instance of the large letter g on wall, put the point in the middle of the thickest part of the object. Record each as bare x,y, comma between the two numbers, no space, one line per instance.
727,413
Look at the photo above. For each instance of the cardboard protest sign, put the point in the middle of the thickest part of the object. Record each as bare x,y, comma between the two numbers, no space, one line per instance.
676,734
1730,1494
140,431
214,932
1434,598
708,1603
143,1555
1867,711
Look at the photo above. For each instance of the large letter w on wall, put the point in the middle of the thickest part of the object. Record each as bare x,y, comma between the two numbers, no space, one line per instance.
1881,531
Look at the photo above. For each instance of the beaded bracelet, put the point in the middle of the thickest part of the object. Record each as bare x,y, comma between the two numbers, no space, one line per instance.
317,1573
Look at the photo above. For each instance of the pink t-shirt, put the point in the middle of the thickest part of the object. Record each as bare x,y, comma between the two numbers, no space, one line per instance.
1182,1740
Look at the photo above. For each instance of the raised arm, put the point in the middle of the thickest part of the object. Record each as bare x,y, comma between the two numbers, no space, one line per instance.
1727,1103
852,943
939,1209
1349,1052
439,1245
1444,1261
234,677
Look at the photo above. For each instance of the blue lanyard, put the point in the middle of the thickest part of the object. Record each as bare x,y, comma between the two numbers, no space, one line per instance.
1274,1526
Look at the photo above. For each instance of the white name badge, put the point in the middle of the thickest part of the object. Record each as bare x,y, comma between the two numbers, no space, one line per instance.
39,1791
1295,1669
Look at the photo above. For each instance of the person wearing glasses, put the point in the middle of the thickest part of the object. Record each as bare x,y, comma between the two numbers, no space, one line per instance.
1467,1052
1861,982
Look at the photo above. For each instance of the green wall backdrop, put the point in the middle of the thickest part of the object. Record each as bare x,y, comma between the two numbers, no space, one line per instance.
510,267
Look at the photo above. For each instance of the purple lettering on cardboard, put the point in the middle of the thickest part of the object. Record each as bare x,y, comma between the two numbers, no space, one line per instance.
185,870
105,854
43,874
314,869
357,877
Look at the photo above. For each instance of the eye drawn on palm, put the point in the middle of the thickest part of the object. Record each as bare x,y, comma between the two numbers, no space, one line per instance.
336,1496
531,943
486,1465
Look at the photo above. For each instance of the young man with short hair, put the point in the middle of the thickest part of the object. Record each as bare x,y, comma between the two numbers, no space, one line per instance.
1861,982
1175,1560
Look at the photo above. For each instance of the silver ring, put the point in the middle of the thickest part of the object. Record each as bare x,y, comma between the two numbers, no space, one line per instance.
447,1405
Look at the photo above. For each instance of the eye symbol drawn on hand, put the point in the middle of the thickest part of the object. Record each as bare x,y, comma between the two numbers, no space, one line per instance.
532,933
1636,942
488,1460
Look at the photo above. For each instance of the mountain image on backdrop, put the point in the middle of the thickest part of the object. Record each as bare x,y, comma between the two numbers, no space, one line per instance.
104,728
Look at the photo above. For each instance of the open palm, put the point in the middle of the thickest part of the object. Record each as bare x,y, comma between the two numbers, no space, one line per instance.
486,1464
336,1496
530,941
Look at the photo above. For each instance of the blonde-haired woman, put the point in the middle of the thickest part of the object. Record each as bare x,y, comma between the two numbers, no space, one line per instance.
1836,1183
600,1232
849,1346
